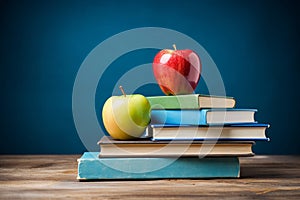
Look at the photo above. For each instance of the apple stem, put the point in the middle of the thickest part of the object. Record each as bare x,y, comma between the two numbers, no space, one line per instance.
122,90
174,46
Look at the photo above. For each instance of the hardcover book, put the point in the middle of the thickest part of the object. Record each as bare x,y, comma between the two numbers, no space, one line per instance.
190,101
203,116
91,167
146,148
229,132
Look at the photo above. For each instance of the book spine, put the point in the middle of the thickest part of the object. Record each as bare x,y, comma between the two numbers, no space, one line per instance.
174,102
156,168
155,139
179,117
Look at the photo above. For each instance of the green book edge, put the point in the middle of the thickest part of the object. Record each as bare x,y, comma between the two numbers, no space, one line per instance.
187,101
173,102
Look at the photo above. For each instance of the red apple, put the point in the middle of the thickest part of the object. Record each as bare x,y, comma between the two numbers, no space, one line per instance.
177,71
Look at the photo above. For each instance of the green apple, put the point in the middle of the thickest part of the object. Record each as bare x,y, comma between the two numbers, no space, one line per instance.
127,116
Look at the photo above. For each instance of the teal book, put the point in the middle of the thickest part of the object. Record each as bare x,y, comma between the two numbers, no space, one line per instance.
203,116
91,167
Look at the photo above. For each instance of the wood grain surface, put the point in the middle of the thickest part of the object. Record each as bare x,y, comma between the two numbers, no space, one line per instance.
54,177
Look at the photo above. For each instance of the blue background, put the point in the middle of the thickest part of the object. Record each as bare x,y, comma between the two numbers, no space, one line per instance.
255,45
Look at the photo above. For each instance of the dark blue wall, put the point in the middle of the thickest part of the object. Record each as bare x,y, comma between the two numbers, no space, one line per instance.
255,45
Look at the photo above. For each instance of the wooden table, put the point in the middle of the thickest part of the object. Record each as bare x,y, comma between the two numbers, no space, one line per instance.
54,176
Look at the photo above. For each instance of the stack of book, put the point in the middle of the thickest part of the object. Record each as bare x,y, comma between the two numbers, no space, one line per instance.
190,136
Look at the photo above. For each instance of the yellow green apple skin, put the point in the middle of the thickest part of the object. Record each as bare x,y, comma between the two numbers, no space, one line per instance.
127,116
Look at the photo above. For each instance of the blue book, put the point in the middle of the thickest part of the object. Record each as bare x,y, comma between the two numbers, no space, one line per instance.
203,116
91,167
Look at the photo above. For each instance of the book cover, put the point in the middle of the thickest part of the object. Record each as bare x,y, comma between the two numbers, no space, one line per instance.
91,167
203,116
177,148
190,101
228,132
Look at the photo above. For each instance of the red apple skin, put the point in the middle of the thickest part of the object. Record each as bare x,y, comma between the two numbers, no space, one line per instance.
177,71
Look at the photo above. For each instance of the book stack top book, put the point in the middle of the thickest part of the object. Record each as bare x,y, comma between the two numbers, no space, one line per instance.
190,101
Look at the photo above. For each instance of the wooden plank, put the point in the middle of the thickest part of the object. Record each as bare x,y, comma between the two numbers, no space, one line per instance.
54,176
